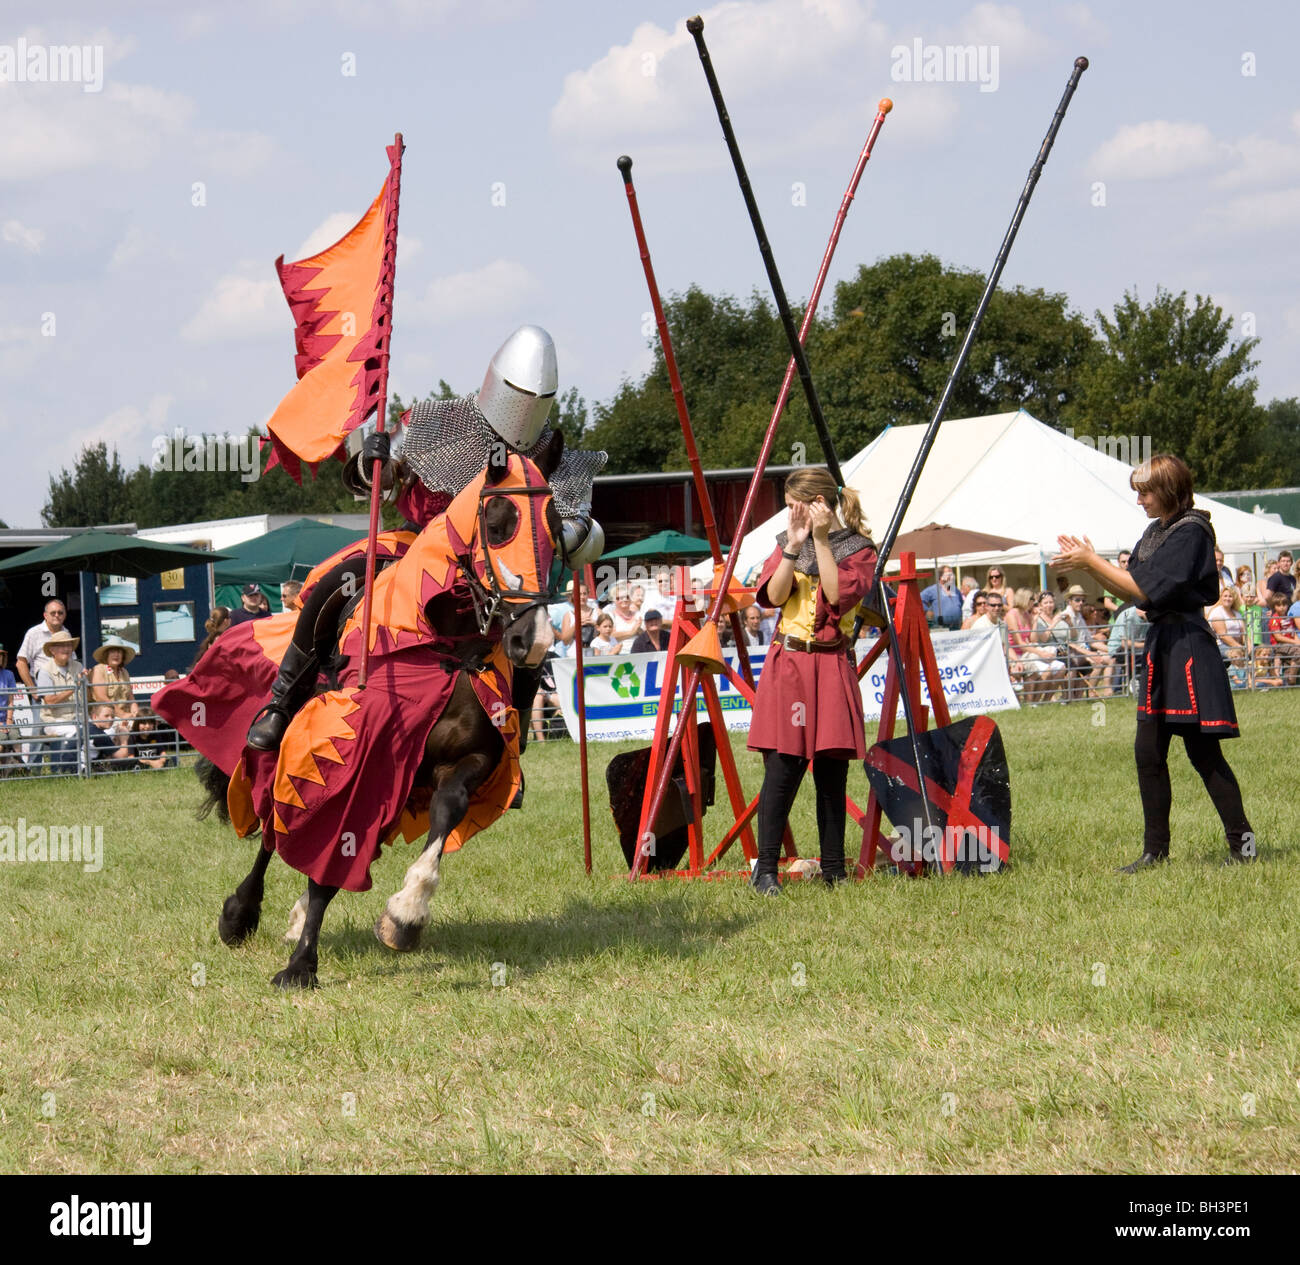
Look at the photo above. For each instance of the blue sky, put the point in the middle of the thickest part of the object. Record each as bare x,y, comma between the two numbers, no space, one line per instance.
166,313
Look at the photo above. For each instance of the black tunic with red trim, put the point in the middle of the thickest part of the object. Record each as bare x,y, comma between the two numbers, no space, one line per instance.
1185,681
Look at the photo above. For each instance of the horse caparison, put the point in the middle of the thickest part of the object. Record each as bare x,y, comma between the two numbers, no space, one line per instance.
461,751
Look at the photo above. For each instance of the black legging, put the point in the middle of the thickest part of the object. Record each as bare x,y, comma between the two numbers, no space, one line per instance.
1151,747
305,629
782,775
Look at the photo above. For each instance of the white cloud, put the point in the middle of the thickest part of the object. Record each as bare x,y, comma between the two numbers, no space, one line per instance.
240,306
498,288
1256,212
30,239
1259,161
325,234
130,429
649,95
1158,150
1085,23
1002,26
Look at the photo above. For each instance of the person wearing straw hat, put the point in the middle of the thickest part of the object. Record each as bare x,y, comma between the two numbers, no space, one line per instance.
110,682
56,684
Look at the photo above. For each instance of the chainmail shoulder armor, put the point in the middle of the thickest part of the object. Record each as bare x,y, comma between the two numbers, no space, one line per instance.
447,444
844,544
1158,532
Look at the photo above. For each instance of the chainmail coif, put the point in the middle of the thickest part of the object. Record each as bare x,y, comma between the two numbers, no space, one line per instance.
447,444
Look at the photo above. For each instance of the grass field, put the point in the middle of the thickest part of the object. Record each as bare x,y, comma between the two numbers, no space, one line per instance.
1055,1018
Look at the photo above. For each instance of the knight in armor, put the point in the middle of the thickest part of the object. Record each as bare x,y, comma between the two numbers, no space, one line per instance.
446,446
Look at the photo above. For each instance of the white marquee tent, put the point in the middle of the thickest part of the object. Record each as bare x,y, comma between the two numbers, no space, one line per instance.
1011,475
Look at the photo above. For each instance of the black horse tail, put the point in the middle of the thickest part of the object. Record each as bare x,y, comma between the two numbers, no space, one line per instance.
215,784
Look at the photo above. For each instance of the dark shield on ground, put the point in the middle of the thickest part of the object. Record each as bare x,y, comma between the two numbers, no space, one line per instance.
626,778
968,785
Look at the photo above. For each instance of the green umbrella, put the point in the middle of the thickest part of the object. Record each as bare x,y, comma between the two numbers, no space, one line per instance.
671,544
109,553
287,553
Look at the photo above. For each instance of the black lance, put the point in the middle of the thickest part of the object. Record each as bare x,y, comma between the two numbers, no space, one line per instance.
695,26
932,431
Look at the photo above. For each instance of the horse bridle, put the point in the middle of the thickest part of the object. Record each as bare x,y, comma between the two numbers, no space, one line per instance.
489,599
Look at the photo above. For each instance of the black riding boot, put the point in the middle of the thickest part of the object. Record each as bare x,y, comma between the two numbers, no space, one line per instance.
293,687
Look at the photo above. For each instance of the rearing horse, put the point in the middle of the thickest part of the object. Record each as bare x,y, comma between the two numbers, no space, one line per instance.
431,742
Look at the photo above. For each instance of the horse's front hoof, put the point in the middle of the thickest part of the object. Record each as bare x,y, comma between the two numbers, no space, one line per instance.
295,977
403,937
237,921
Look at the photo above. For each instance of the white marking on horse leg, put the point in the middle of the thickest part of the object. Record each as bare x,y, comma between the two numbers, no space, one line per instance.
297,920
410,906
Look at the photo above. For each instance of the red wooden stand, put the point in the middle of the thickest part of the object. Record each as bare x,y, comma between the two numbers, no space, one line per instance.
686,624
917,655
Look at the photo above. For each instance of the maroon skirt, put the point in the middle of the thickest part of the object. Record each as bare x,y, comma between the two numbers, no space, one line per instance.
808,705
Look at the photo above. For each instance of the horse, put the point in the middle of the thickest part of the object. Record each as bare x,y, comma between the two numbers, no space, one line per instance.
466,745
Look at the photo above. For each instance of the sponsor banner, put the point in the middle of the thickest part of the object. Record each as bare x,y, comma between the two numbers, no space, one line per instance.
624,691
973,670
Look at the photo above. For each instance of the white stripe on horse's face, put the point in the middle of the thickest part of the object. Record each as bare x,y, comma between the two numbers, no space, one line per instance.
543,637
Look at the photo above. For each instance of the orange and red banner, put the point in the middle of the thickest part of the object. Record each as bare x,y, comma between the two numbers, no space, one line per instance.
342,304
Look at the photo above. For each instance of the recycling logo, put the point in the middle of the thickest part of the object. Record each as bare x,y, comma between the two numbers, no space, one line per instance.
625,681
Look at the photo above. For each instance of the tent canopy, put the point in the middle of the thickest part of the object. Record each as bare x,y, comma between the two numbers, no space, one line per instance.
287,553
670,544
110,553
1011,475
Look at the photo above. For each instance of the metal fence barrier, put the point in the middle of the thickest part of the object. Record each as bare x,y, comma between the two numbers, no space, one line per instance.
63,740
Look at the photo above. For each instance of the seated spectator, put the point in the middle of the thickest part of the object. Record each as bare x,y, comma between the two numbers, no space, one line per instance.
110,682
942,602
968,589
1109,601
590,614
625,620
146,745
252,605
1085,663
603,642
9,732
664,596
979,605
1227,622
31,653
1246,588
108,751
1035,666
56,685
993,611
1126,646
654,637
1282,581
1098,632
1284,641
1261,586
546,704
753,626
996,582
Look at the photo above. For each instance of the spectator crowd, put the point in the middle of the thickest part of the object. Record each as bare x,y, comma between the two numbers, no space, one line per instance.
1070,644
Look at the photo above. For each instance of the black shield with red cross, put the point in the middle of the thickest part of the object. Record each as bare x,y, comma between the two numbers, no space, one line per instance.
968,786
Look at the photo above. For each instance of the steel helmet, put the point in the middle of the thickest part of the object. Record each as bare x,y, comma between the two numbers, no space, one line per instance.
519,387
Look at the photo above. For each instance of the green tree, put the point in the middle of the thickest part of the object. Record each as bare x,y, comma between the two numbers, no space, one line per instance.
1279,445
895,332
1171,370
96,491
879,356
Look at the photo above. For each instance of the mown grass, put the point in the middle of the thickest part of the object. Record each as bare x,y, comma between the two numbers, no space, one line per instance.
1079,1020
